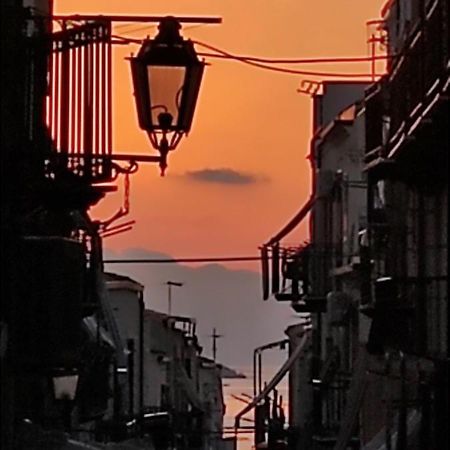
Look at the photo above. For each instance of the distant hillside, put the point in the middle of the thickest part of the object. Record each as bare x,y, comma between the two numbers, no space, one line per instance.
218,297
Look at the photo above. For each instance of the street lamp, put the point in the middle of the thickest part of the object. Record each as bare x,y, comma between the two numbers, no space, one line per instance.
169,294
166,78
257,362
65,388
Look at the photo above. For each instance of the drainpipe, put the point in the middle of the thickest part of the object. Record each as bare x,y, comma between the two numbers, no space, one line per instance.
130,345
402,436
421,274
388,395
141,357
116,393
317,392
259,373
254,372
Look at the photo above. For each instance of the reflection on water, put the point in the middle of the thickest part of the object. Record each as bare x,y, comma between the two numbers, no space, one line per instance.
243,388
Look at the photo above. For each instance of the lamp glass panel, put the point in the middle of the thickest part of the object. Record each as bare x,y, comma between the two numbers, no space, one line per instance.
166,88
65,386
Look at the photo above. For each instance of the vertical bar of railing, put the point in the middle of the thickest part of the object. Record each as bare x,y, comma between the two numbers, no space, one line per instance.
103,94
73,99
108,107
87,119
78,109
95,106
55,102
78,118
49,99
64,95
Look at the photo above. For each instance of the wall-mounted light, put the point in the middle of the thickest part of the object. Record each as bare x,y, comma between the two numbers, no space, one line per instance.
65,386
166,78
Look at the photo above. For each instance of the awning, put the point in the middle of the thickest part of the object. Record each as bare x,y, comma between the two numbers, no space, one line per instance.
354,401
277,378
294,222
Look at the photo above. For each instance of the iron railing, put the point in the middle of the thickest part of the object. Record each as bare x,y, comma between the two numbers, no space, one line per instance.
417,72
79,102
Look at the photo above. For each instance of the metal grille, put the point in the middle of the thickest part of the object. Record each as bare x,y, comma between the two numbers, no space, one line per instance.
78,109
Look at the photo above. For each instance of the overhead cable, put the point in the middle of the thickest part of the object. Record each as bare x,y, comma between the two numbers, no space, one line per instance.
182,260
266,66
267,63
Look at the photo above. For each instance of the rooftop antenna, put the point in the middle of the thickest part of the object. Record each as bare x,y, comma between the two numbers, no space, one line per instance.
214,337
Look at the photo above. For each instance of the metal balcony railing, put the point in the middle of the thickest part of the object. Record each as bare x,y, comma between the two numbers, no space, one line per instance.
79,101
419,69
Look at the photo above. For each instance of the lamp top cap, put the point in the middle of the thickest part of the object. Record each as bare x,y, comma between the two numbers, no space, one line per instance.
169,31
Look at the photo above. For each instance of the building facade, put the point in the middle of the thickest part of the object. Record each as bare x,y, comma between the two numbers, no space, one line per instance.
407,283
374,273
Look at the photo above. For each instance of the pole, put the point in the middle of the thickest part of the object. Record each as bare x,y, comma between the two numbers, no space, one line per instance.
214,344
141,360
131,377
214,337
402,434
259,372
169,294
169,300
254,372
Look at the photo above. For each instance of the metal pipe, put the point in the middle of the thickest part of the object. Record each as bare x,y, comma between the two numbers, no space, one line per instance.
142,19
116,393
422,312
257,361
402,435
130,344
104,100
96,94
55,100
109,101
141,358
72,99
79,100
254,372
259,372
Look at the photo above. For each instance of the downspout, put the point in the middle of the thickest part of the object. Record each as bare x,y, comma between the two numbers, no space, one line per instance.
317,391
259,359
141,357
421,274
402,436
130,344
388,395
254,372
116,393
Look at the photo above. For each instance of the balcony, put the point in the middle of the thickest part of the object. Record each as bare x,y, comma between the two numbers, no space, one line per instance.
294,268
409,107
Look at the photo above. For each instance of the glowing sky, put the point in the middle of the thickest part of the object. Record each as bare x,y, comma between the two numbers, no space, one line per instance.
242,173
250,122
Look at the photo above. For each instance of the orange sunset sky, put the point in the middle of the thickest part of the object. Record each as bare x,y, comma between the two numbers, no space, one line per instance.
247,120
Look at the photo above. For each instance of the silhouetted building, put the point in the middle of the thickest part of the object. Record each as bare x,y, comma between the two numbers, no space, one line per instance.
375,269
406,294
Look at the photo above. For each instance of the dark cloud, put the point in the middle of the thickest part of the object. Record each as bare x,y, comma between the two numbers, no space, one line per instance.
223,176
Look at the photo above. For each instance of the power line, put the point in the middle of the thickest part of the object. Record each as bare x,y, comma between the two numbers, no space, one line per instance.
340,59
266,63
226,55
253,62
182,260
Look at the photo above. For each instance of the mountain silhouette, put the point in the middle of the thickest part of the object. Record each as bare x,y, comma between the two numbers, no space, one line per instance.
228,300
